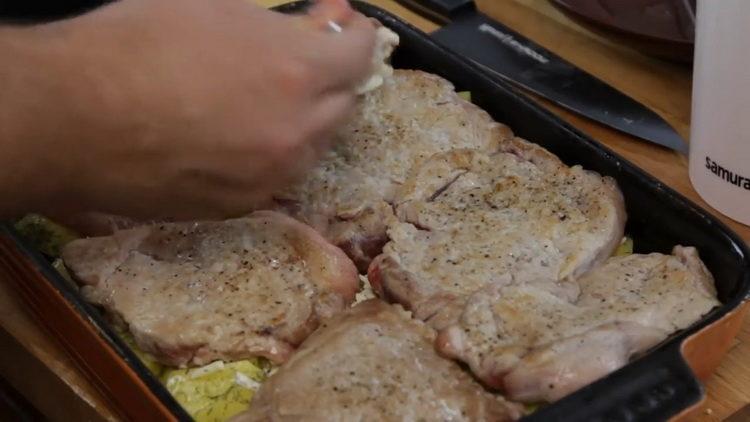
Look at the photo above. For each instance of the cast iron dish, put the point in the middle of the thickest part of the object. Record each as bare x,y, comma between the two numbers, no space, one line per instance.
658,385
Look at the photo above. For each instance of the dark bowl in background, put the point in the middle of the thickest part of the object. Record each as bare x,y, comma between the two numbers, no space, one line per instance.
661,28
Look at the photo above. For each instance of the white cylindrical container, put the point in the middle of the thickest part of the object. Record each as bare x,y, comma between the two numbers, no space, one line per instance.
720,121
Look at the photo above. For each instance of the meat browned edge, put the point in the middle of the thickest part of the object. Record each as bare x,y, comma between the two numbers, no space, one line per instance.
374,363
466,219
348,197
191,293
536,344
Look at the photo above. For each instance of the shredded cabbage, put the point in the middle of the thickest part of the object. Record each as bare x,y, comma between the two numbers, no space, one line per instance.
148,361
217,391
532,407
59,265
44,234
625,248
365,292
211,393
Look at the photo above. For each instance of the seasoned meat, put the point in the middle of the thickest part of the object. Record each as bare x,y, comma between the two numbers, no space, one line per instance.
467,219
374,363
101,224
191,293
534,343
412,116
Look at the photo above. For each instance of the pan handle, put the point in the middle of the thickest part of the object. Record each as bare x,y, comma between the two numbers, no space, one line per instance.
656,387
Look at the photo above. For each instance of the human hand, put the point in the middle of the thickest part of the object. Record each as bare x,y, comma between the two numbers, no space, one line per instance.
184,109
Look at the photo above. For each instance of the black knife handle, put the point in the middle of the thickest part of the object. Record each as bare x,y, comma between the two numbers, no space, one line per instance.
441,10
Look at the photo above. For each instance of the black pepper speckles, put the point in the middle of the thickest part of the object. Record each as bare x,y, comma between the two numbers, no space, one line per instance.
225,283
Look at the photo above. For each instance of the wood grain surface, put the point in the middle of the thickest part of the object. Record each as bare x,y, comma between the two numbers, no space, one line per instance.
40,369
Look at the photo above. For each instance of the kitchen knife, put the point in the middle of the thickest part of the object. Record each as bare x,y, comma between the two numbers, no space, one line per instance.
529,66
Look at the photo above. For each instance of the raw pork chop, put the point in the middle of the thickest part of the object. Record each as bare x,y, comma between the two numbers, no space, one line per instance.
412,116
468,219
531,342
374,363
191,293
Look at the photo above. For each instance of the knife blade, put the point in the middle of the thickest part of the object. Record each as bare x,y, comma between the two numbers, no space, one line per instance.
531,67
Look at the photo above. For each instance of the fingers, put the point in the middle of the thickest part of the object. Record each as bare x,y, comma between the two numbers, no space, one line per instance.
337,11
332,111
236,184
325,12
203,196
341,60
91,223
344,59
319,130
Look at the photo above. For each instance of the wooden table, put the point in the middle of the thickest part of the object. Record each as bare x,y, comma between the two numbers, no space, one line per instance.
39,368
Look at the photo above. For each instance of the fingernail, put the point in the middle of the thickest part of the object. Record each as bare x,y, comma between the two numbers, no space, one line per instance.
334,26
335,10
